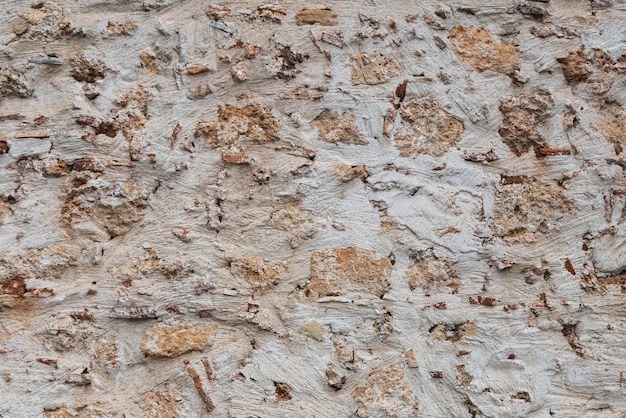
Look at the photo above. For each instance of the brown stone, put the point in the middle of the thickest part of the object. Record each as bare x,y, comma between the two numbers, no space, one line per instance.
299,223
333,38
250,51
82,411
61,412
338,127
463,378
411,361
256,272
385,394
324,17
524,210
33,133
115,214
197,69
147,58
593,68
137,268
433,273
239,71
84,164
286,60
119,219
58,168
175,340
427,128
13,286
521,117
342,270
334,380
49,262
611,125
107,354
250,122
126,28
236,157
47,22
272,12
579,65
13,83
200,91
374,68
161,404
350,172
304,93
87,70
283,392
477,48
576,66
217,11
453,332
345,354
131,110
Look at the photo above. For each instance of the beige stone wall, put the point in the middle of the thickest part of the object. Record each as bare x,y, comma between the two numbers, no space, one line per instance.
341,209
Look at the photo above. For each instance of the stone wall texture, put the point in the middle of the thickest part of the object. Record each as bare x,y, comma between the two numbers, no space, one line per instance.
381,208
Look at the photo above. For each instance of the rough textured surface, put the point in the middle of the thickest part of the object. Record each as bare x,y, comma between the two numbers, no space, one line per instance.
522,117
336,272
374,68
335,127
385,394
426,128
282,209
174,340
478,48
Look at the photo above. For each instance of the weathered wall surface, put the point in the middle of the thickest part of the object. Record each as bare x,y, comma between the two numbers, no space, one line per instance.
343,209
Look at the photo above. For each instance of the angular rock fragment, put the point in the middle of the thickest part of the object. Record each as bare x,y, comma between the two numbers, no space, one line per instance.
13,83
126,28
453,332
235,156
385,394
374,68
175,340
343,270
521,117
256,272
426,128
251,122
115,208
313,329
338,128
611,125
324,17
46,22
592,69
239,71
161,404
283,392
299,223
272,12
477,48
199,92
432,273
524,211
286,60
87,70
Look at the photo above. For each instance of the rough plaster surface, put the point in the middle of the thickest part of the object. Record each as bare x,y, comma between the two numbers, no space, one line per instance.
343,209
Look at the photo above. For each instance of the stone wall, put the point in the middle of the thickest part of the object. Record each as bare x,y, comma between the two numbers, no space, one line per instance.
341,209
